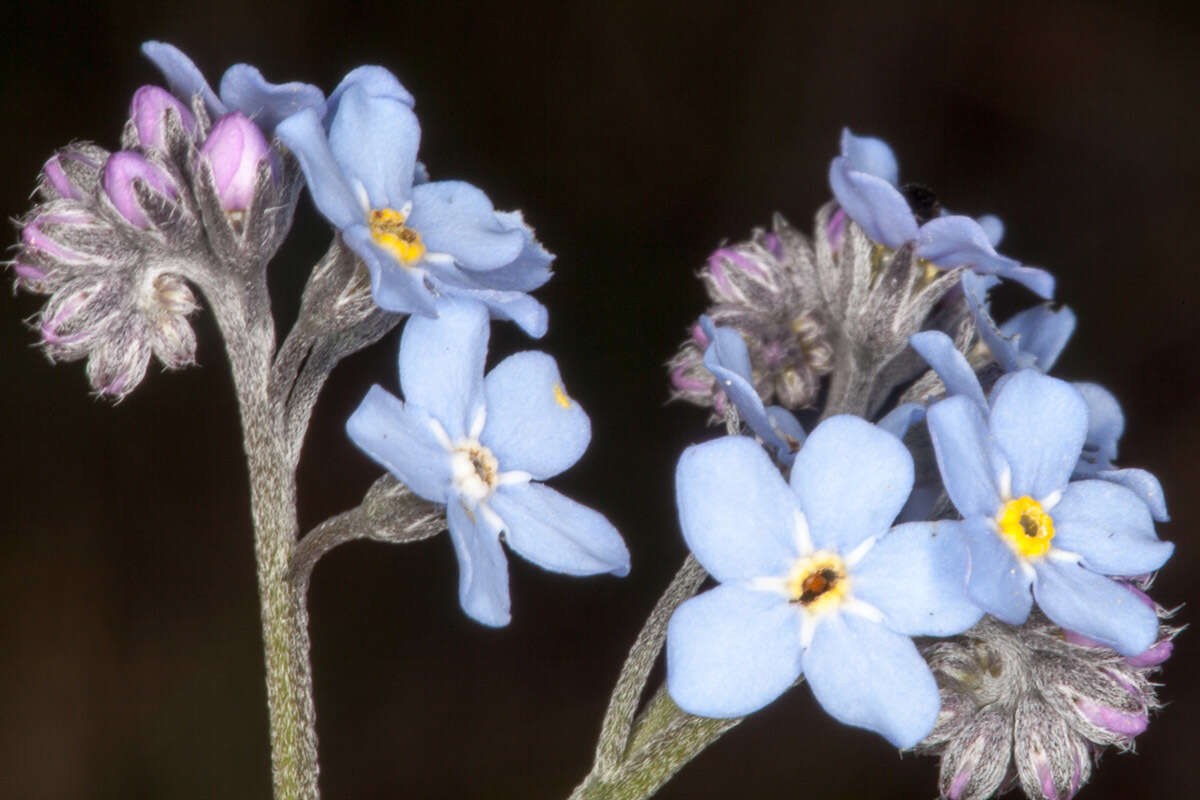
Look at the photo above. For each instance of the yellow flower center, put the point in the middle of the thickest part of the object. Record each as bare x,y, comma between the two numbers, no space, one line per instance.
818,582
1026,526
389,232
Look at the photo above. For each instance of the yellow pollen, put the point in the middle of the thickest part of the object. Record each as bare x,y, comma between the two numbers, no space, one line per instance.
818,582
561,397
1026,526
389,232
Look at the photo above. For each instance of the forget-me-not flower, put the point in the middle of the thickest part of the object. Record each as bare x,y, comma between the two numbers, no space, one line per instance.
1029,527
480,445
814,580
419,242
243,88
864,180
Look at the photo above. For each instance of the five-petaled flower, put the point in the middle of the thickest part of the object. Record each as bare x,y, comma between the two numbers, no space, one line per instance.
1028,526
479,445
864,178
420,242
814,580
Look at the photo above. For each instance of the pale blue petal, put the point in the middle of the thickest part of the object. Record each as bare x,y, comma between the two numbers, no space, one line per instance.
901,418
1106,423
1110,527
530,269
876,205
870,155
993,228
919,506
1040,424
1041,332
441,364
183,76
997,581
400,437
727,347
375,81
868,676
1003,349
558,534
786,425
456,218
951,366
957,241
852,480
482,567
916,574
243,88
737,513
375,140
394,286
1101,609
533,425
1141,483
331,191
963,448
529,315
731,651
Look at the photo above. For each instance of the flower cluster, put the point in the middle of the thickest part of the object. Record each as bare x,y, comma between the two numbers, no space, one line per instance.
828,559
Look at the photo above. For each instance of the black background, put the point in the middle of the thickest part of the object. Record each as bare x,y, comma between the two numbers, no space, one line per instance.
636,137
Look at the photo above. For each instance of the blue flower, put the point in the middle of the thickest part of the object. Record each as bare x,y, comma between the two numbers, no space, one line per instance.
813,581
864,179
243,88
1028,526
479,445
423,242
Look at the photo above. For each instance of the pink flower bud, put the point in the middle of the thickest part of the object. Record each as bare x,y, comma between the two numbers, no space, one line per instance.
234,149
73,172
148,112
121,171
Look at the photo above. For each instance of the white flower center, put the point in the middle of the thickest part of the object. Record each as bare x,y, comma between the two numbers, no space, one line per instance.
474,471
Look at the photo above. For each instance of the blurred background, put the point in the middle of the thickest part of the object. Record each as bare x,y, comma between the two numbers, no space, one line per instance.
636,137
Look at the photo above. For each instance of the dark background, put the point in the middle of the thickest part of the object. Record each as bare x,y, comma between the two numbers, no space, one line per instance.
636,137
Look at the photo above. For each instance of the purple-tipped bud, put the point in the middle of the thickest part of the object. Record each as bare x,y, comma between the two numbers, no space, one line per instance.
976,761
122,172
1155,654
1051,760
148,112
73,172
234,149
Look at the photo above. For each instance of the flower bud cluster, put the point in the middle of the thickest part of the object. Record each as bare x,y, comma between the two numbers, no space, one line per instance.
756,290
1028,705
115,236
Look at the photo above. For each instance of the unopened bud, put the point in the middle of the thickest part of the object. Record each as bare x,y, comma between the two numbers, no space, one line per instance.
234,149
1051,760
148,112
123,172
976,762
73,172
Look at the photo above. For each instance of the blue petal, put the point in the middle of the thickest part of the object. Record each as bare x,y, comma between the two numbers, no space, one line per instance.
868,676
375,81
1106,423
375,141
401,438
394,286
737,514
527,313
1110,527
993,228
786,425
1003,349
533,425
916,574
901,418
455,217
305,137
964,456
1099,608
184,78
1041,332
878,208
1141,483
731,651
1039,423
997,582
530,269
951,366
441,364
558,534
852,480
957,241
870,155
482,567
244,89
